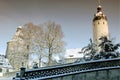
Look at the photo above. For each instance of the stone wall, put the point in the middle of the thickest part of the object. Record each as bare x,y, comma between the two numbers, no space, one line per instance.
113,74
9,74
107,69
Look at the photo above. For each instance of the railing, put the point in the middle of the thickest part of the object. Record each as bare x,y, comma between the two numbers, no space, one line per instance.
69,69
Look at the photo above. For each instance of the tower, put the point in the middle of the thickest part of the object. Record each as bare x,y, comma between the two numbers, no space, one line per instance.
100,26
16,49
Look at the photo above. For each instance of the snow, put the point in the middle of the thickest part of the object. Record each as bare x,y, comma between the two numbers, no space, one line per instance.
5,63
73,53
5,79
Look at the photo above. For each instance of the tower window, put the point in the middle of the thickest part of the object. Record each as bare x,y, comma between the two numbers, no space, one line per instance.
98,23
103,22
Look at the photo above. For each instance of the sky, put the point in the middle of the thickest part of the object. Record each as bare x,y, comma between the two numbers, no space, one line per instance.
74,16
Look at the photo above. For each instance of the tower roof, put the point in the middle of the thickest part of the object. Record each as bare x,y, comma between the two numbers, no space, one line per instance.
99,9
99,15
19,27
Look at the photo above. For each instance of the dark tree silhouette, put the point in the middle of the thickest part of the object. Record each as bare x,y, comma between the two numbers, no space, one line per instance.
105,50
108,49
89,51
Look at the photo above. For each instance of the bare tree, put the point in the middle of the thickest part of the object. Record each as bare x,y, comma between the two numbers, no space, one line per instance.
53,40
39,42
44,40
47,40
34,41
29,30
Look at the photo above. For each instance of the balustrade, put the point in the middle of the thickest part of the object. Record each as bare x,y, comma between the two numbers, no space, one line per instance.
73,68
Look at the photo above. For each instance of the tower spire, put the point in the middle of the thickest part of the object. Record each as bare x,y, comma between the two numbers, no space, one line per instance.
99,6
99,2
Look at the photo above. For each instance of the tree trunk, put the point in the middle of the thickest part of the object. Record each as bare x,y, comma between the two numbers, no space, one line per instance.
40,61
50,57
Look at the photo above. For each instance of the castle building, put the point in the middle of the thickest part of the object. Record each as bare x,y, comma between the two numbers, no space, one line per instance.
16,50
100,26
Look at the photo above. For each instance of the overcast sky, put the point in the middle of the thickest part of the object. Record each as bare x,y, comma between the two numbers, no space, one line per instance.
75,17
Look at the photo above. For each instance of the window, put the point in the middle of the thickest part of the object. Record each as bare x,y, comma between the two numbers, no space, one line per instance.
0,70
1,63
98,23
103,22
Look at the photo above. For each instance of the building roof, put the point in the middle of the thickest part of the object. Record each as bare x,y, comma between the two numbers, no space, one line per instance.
4,63
73,53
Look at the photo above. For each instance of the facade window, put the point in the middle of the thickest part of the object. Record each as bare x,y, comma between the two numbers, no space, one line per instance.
0,70
71,55
1,63
7,70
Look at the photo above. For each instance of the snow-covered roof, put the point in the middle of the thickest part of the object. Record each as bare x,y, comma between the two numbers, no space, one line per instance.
73,53
20,27
4,63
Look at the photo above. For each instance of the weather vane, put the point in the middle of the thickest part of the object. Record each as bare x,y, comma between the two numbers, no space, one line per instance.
99,2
